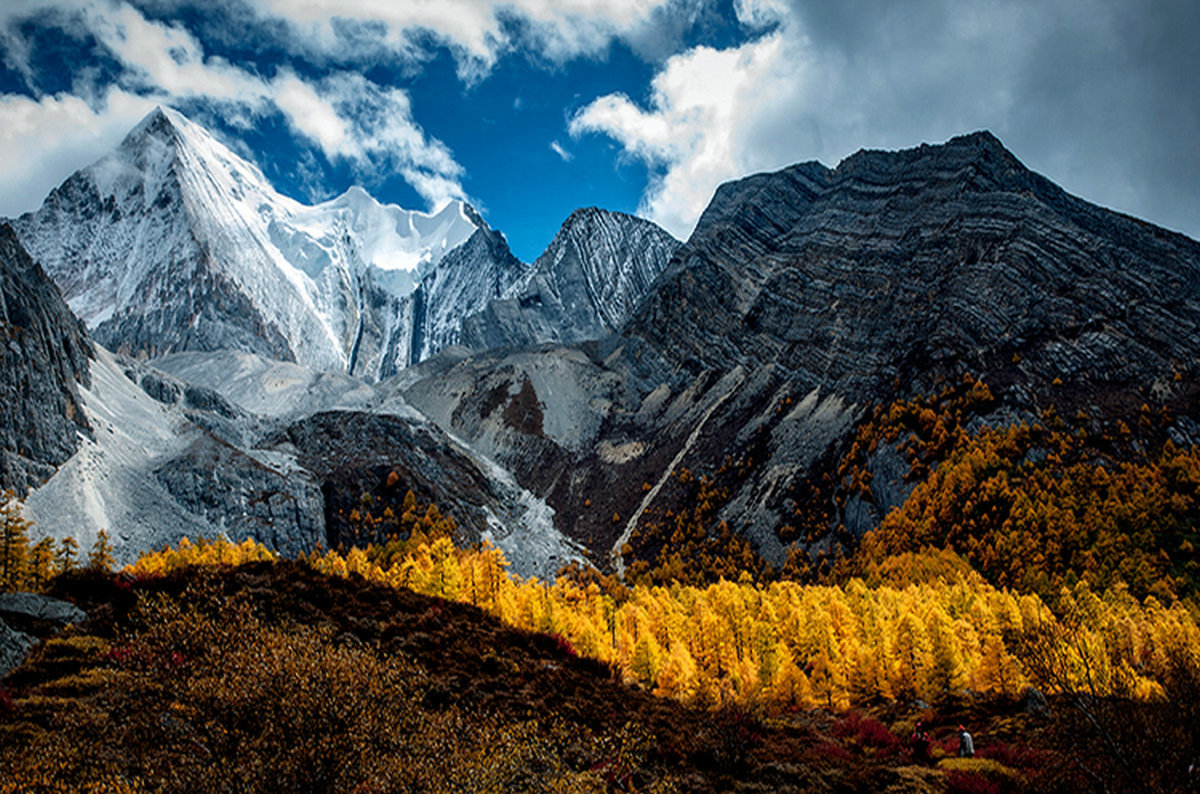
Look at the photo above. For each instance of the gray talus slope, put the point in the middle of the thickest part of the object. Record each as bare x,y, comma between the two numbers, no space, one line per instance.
172,459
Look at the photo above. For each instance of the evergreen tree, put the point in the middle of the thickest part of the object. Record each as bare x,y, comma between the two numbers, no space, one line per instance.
944,676
101,558
14,544
828,681
677,676
68,553
647,657
912,656
41,563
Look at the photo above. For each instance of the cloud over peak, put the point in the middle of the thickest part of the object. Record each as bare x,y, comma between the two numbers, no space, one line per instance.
1099,95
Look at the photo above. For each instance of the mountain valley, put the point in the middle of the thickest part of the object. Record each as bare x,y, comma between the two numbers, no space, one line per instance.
917,435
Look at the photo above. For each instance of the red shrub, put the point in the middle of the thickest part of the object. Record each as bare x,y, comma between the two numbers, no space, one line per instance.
1015,756
615,771
6,701
563,644
834,752
948,744
867,731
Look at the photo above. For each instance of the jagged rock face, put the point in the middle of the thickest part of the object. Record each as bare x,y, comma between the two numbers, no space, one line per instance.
369,461
27,617
807,294
174,243
585,285
909,266
354,453
14,647
585,431
242,497
45,353
474,274
36,611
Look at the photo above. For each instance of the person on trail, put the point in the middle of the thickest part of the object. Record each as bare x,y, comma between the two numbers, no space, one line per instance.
966,745
920,743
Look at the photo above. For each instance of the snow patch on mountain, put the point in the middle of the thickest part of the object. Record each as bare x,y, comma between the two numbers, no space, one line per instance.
399,246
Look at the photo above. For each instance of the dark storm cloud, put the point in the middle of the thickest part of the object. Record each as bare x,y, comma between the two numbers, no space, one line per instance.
1103,96
1099,95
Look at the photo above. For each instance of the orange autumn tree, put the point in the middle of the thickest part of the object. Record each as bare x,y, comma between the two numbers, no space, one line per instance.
784,644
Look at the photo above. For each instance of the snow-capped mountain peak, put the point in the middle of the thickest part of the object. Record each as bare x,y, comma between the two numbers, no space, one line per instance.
174,242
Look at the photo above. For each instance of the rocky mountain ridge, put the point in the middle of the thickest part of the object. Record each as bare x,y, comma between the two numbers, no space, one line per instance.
804,298
808,295
584,286
44,360
922,264
174,243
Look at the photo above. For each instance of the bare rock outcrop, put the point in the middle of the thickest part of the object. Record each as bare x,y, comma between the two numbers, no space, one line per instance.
44,354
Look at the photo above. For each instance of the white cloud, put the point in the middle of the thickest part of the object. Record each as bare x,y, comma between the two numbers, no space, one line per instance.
760,13
168,59
345,115
1099,95
373,127
477,30
310,114
703,105
42,141
557,148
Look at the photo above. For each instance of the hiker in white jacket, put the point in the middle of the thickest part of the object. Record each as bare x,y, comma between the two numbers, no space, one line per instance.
966,746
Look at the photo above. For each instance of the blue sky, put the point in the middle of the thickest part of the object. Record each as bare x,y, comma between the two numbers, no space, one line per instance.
532,108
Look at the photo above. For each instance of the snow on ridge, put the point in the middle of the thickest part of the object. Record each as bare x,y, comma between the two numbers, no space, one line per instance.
398,245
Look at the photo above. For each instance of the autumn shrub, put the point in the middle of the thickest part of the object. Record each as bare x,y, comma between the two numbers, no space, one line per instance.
619,754
971,775
736,731
53,769
867,732
197,691
1011,755
563,644
833,752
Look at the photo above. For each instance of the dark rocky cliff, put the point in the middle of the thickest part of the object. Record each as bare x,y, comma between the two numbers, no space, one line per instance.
476,272
44,351
807,295
906,267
